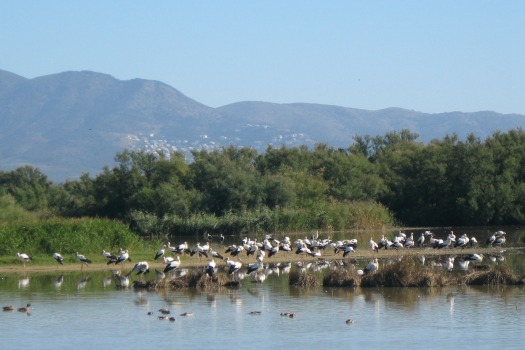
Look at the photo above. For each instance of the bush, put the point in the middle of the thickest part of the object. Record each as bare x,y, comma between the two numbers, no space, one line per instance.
66,236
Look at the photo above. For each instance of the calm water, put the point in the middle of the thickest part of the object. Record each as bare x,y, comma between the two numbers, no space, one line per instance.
88,311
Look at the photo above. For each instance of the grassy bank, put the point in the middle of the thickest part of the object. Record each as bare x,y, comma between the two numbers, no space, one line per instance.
67,236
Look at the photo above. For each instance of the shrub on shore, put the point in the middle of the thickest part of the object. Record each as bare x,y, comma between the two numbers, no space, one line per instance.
304,279
65,236
341,278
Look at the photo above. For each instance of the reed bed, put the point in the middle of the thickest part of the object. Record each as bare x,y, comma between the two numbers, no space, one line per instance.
303,279
495,276
342,278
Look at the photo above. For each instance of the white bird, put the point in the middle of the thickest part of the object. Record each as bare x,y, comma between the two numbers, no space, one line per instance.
234,266
446,243
172,265
421,239
373,245
58,258
285,247
499,240
237,250
491,239
462,241
167,259
499,233
210,268
199,250
303,248
181,248
141,268
23,257
124,255
251,249
83,260
396,243
348,249
383,243
215,254
111,258
372,266
254,267
409,242
274,250
160,252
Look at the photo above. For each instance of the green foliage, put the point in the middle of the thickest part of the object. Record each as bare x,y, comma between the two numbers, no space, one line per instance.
28,185
66,236
444,182
331,216
11,211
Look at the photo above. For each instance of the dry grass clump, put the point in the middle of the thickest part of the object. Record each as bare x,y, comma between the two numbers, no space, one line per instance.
341,278
500,275
211,282
407,272
303,279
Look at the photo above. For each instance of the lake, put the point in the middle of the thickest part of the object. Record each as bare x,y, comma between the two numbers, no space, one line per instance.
87,310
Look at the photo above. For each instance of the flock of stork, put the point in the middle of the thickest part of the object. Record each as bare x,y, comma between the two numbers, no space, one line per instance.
270,247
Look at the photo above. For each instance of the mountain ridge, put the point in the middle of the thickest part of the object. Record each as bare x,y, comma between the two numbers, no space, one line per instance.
73,122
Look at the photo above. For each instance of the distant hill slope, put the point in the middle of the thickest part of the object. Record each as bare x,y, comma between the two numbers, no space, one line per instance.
74,122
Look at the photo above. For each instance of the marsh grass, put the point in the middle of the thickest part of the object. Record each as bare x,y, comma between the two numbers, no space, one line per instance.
329,216
407,272
341,278
303,279
65,236
495,276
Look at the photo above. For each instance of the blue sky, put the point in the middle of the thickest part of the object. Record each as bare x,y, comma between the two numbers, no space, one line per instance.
430,56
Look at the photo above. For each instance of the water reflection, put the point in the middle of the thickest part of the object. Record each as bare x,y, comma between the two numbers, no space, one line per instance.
216,315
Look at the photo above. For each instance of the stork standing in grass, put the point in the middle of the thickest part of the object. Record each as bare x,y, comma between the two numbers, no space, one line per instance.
24,258
141,268
373,245
58,258
83,260
234,266
172,265
421,239
160,252
210,268
124,255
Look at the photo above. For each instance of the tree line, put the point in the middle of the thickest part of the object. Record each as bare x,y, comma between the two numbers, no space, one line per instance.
389,179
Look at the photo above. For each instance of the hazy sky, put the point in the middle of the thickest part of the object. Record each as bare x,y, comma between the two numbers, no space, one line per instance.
431,56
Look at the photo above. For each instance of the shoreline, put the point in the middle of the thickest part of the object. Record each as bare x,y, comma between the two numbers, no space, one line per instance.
193,262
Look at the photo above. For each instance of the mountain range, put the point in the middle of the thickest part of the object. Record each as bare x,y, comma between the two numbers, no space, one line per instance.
69,123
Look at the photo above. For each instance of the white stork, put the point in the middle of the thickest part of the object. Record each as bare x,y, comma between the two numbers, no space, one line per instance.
141,268
210,268
172,265
58,258
124,255
160,252
83,260
24,258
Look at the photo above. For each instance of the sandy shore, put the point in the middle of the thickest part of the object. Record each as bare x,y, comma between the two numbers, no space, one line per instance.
187,261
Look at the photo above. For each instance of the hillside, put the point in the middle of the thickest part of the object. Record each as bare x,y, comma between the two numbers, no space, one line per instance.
74,122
